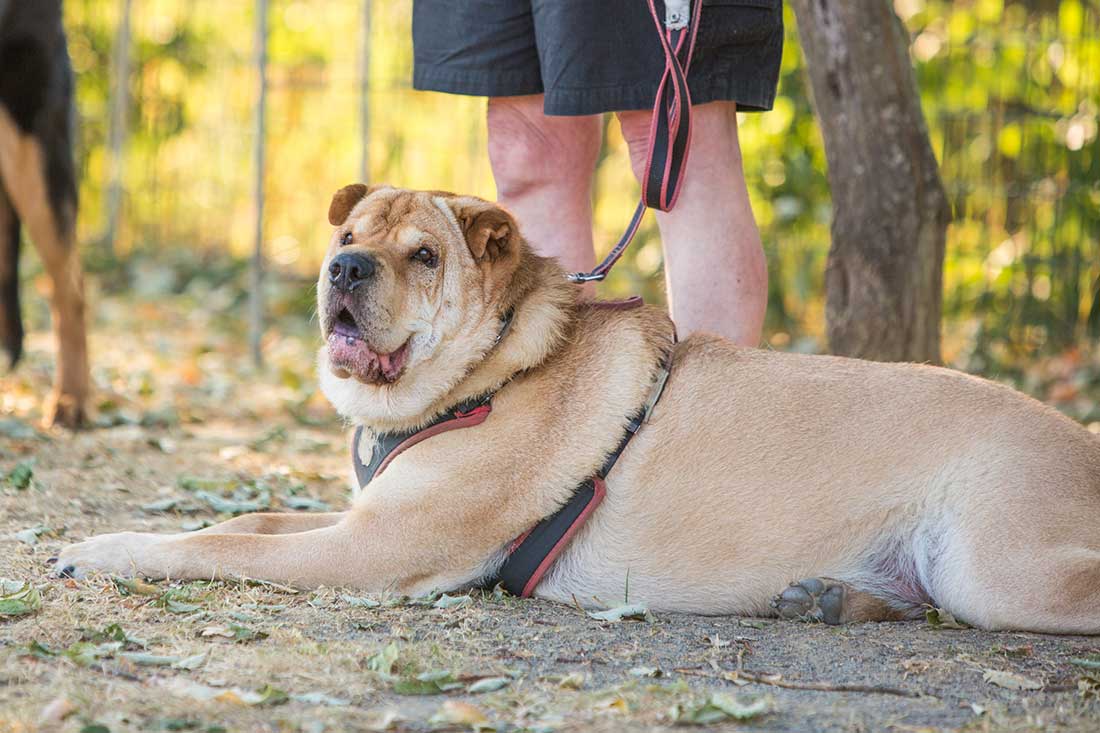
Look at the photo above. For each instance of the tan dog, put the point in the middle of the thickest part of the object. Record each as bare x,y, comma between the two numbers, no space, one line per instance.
885,486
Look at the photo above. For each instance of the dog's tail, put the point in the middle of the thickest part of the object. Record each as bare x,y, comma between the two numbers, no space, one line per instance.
11,321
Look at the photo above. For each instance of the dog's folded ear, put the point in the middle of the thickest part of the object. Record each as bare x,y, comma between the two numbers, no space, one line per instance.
491,232
344,200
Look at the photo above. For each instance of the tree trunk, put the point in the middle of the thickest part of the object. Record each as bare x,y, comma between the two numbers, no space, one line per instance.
884,278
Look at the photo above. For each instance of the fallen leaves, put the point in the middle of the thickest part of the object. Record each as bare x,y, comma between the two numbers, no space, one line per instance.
113,632
135,587
630,612
159,660
1090,662
266,696
177,600
235,497
427,683
1089,687
30,535
572,681
719,708
20,476
404,679
234,632
1011,680
651,672
453,712
18,598
446,601
383,661
940,618
86,653
488,684
357,602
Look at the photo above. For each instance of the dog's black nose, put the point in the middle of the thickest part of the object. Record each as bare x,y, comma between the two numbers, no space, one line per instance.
347,271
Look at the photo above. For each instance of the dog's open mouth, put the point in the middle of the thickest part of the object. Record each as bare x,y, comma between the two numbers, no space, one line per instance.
351,356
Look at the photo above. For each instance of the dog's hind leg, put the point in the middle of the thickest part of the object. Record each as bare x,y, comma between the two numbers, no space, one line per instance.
41,189
11,321
835,602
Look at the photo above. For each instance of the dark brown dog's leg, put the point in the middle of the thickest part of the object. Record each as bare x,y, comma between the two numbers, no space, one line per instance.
23,168
11,322
833,602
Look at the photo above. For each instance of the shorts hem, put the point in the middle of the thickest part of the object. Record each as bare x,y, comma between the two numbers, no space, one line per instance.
476,83
750,96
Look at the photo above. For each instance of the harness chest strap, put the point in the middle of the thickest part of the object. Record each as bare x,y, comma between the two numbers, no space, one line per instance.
532,554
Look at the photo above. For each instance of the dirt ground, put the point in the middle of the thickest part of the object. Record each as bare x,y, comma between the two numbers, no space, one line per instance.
190,434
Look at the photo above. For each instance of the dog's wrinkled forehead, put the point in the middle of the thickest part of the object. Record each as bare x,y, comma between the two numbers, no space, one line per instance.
397,215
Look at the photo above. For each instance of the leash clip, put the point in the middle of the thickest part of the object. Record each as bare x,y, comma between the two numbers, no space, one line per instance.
585,277
677,14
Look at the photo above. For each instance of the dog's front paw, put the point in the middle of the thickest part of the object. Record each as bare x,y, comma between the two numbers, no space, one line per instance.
67,411
124,554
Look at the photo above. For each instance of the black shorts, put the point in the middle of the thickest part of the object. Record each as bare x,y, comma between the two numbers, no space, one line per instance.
592,56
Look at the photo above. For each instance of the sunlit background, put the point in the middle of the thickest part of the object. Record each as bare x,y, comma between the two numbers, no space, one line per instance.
1011,91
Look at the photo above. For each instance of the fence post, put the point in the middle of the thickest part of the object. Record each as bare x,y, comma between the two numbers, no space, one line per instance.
256,295
120,99
364,95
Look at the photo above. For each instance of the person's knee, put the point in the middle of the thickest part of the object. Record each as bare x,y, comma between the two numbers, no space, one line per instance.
529,150
714,135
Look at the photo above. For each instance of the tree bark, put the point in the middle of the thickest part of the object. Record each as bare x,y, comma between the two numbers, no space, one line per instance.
884,277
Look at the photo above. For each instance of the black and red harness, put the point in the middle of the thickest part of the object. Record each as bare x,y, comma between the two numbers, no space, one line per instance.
531,554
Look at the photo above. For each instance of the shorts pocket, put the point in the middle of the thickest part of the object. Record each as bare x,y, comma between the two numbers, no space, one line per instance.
738,22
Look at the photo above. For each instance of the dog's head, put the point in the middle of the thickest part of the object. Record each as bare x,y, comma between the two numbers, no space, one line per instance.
411,295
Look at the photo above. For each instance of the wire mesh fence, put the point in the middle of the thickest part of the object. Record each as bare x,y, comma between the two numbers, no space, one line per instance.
1011,91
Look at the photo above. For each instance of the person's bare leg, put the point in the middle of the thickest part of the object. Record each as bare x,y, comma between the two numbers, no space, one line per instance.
715,269
543,168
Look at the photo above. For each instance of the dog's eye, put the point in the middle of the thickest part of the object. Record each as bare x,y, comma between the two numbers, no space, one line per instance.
425,256
346,239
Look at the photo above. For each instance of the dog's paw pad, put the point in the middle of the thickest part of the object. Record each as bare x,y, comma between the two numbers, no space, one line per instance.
812,599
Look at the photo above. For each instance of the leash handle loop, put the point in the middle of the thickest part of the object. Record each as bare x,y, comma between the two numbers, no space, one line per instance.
669,134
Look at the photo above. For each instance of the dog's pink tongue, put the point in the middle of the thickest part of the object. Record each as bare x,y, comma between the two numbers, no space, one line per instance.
351,354
391,364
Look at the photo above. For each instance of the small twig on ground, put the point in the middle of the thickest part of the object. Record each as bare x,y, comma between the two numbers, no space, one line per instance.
776,681
115,672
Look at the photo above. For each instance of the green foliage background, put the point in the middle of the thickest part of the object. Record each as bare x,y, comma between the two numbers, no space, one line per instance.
1011,91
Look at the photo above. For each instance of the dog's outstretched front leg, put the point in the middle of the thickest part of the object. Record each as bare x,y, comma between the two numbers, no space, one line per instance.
373,551
326,556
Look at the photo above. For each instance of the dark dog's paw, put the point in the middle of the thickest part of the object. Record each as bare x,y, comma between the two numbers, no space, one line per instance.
812,599
67,412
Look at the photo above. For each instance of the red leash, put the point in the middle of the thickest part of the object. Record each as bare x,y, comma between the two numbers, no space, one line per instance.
669,134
